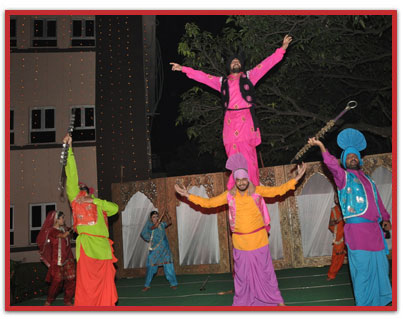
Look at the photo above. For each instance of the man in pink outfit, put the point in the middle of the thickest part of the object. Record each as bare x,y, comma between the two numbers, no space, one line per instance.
241,133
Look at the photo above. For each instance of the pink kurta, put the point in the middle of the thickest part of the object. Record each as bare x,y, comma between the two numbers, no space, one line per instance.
239,135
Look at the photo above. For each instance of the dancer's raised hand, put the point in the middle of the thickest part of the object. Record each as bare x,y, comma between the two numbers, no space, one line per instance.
315,142
300,171
286,41
181,190
176,66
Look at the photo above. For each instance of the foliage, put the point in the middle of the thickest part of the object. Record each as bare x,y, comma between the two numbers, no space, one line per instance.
332,60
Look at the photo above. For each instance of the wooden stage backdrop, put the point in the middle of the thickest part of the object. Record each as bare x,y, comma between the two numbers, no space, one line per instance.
161,193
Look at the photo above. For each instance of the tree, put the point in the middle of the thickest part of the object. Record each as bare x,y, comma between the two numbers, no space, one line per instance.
332,60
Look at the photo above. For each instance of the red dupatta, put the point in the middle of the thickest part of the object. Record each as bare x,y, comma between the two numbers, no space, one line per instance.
44,244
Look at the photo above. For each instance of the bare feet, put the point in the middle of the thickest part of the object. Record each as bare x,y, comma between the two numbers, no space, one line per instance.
144,289
173,287
282,304
47,303
68,304
329,279
228,292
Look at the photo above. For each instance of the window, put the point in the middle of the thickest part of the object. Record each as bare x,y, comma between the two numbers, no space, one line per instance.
13,33
44,33
84,129
11,225
42,125
83,33
11,127
38,214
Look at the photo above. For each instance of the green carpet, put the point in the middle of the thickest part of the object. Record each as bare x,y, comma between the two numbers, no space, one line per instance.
299,287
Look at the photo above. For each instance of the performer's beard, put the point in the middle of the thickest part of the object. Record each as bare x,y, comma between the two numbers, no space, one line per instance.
242,187
236,69
353,165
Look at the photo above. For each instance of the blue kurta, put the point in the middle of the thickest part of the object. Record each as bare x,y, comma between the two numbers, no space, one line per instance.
159,250
159,253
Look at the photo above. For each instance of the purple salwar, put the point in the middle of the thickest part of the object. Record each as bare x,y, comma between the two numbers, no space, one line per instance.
255,280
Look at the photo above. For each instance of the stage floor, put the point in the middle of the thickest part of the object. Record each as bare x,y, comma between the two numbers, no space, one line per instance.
299,287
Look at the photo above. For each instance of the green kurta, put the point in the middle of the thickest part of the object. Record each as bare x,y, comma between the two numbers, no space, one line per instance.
94,247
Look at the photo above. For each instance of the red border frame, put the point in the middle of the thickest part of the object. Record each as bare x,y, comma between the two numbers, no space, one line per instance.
393,13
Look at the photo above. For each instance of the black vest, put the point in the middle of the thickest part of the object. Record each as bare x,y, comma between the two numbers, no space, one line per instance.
247,90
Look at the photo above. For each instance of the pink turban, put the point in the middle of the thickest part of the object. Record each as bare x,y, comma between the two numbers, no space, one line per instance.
240,173
238,165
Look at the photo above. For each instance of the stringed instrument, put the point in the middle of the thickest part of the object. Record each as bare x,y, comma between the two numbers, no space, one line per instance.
63,158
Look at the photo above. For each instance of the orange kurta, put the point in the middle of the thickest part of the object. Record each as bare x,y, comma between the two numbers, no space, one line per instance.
338,253
248,216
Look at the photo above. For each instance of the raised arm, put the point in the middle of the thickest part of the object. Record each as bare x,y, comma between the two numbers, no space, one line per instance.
263,67
339,174
168,219
201,201
269,191
315,142
199,76
72,179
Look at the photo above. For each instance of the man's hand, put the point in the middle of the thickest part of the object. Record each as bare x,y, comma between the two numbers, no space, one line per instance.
386,225
181,190
67,140
315,142
300,171
176,66
287,40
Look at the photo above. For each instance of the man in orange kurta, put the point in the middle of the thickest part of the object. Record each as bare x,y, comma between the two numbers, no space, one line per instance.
336,225
255,281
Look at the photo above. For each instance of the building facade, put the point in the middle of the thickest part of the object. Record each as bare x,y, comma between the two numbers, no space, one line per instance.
58,68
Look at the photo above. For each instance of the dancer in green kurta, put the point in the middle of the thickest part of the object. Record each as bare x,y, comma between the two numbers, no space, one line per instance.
95,273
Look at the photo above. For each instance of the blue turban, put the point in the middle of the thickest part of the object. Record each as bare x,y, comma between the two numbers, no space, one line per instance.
352,142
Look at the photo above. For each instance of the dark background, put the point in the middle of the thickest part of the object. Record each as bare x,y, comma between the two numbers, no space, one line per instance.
177,154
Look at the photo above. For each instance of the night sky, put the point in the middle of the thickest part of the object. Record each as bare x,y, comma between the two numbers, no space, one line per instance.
166,137
177,154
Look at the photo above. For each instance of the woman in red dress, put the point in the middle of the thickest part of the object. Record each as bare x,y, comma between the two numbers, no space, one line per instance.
54,247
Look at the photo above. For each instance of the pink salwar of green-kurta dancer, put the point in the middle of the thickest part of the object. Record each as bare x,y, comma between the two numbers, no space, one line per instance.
239,134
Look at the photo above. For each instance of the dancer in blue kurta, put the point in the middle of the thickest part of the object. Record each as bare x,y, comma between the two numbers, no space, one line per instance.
159,251
363,211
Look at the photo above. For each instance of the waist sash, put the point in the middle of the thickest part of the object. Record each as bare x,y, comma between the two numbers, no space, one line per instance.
254,231
252,113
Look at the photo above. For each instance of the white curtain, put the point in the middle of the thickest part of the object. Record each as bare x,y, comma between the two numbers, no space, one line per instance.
134,217
275,239
383,179
198,234
314,207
